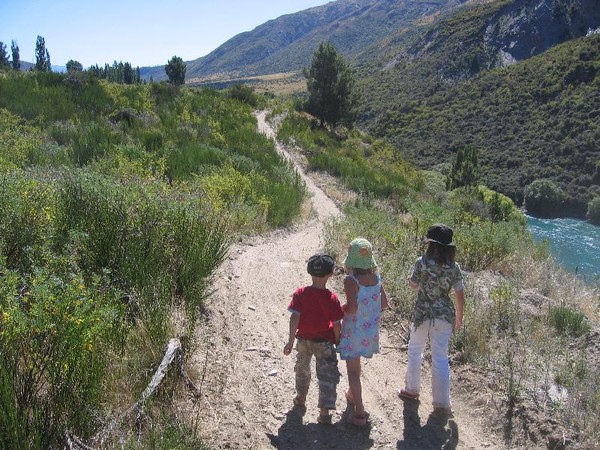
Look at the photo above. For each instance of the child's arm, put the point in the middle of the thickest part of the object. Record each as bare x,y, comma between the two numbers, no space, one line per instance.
351,291
384,299
294,320
337,331
460,304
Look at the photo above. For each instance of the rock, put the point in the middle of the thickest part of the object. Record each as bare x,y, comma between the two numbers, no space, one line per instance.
273,372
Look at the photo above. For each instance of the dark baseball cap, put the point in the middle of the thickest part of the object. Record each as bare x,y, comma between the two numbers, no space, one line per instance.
320,265
440,234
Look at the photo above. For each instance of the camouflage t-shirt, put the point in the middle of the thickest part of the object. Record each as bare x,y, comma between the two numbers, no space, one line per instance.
435,283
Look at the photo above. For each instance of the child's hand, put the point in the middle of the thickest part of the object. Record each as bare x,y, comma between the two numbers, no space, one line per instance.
288,348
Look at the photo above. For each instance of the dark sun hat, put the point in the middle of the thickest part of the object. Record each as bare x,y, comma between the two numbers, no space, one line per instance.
440,234
320,265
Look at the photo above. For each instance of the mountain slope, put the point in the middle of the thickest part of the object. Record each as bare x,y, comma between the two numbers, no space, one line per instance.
443,86
288,42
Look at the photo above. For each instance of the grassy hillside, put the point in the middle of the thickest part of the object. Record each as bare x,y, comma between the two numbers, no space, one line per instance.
531,120
117,204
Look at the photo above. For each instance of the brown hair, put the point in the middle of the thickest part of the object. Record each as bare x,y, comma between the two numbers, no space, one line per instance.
441,254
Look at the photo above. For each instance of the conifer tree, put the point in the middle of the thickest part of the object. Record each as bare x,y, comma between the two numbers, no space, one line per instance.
330,83
175,70
16,58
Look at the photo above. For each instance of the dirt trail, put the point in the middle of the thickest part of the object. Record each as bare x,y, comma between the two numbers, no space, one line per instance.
249,384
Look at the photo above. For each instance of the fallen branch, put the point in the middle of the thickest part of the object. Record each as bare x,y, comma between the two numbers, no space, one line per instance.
173,354
75,443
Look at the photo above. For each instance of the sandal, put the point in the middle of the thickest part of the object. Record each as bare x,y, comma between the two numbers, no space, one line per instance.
324,419
299,401
405,395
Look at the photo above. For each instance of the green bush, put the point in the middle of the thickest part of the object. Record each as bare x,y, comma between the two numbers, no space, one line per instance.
544,198
55,333
568,321
593,211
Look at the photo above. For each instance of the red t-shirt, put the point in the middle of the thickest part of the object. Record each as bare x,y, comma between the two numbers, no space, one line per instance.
318,309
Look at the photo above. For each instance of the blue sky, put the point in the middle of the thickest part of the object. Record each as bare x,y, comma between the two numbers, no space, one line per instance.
143,33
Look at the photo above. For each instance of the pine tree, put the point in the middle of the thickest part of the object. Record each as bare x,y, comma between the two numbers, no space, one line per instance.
16,58
175,70
330,83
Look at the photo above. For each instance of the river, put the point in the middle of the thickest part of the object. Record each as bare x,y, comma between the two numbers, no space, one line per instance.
574,243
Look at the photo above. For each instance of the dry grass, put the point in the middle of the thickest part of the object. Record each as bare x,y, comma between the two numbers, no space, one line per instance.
284,84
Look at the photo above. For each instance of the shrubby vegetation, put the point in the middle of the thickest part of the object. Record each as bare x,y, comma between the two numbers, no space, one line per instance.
117,203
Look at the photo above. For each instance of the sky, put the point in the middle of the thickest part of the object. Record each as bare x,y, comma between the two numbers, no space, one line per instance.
143,33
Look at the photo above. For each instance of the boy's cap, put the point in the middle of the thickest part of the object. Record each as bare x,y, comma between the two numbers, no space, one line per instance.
320,265
441,234
360,255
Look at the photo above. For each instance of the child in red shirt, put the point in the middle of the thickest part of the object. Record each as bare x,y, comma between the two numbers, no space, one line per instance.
316,323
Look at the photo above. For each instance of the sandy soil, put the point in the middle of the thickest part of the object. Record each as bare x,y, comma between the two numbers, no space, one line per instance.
248,383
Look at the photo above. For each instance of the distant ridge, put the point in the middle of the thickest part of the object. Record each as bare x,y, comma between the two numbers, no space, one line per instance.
287,43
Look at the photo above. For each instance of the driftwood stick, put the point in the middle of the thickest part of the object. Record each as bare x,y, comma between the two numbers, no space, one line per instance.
74,443
171,354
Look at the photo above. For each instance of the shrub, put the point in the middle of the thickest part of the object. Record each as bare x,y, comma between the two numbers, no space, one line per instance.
593,211
544,198
568,321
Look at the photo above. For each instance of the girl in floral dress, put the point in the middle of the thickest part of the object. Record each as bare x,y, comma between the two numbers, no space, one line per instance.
365,299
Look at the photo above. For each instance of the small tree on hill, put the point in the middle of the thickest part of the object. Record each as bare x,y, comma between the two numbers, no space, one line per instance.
330,83
16,58
74,66
175,70
465,169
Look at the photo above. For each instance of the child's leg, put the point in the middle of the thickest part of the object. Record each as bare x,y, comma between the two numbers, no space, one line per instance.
302,368
416,346
353,368
327,374
440,371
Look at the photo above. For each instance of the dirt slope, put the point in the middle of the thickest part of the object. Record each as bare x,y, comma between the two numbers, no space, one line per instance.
249,384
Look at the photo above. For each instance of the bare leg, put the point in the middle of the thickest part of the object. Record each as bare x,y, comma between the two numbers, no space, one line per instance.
353,368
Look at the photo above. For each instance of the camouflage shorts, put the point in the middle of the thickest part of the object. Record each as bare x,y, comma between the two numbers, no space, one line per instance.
326,368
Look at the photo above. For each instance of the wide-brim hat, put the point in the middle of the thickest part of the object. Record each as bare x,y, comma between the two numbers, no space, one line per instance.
440,234
360,255
320,265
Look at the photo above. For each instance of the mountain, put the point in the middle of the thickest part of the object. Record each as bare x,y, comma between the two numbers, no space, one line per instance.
287,43
492,75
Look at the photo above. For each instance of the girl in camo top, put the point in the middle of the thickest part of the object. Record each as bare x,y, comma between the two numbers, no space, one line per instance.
435,316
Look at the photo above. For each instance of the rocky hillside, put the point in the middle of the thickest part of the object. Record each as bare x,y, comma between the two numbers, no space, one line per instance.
492,75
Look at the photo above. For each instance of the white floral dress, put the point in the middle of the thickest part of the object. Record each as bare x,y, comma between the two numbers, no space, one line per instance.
360,331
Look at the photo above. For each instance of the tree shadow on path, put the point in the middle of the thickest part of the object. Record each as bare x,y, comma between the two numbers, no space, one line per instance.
294,434
434,435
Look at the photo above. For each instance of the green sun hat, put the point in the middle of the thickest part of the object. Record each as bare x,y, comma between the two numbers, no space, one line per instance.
360,255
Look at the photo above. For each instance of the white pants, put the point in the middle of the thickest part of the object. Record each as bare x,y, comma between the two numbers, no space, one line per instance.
438,332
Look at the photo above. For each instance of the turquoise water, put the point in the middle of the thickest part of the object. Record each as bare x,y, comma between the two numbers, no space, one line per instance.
574,243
